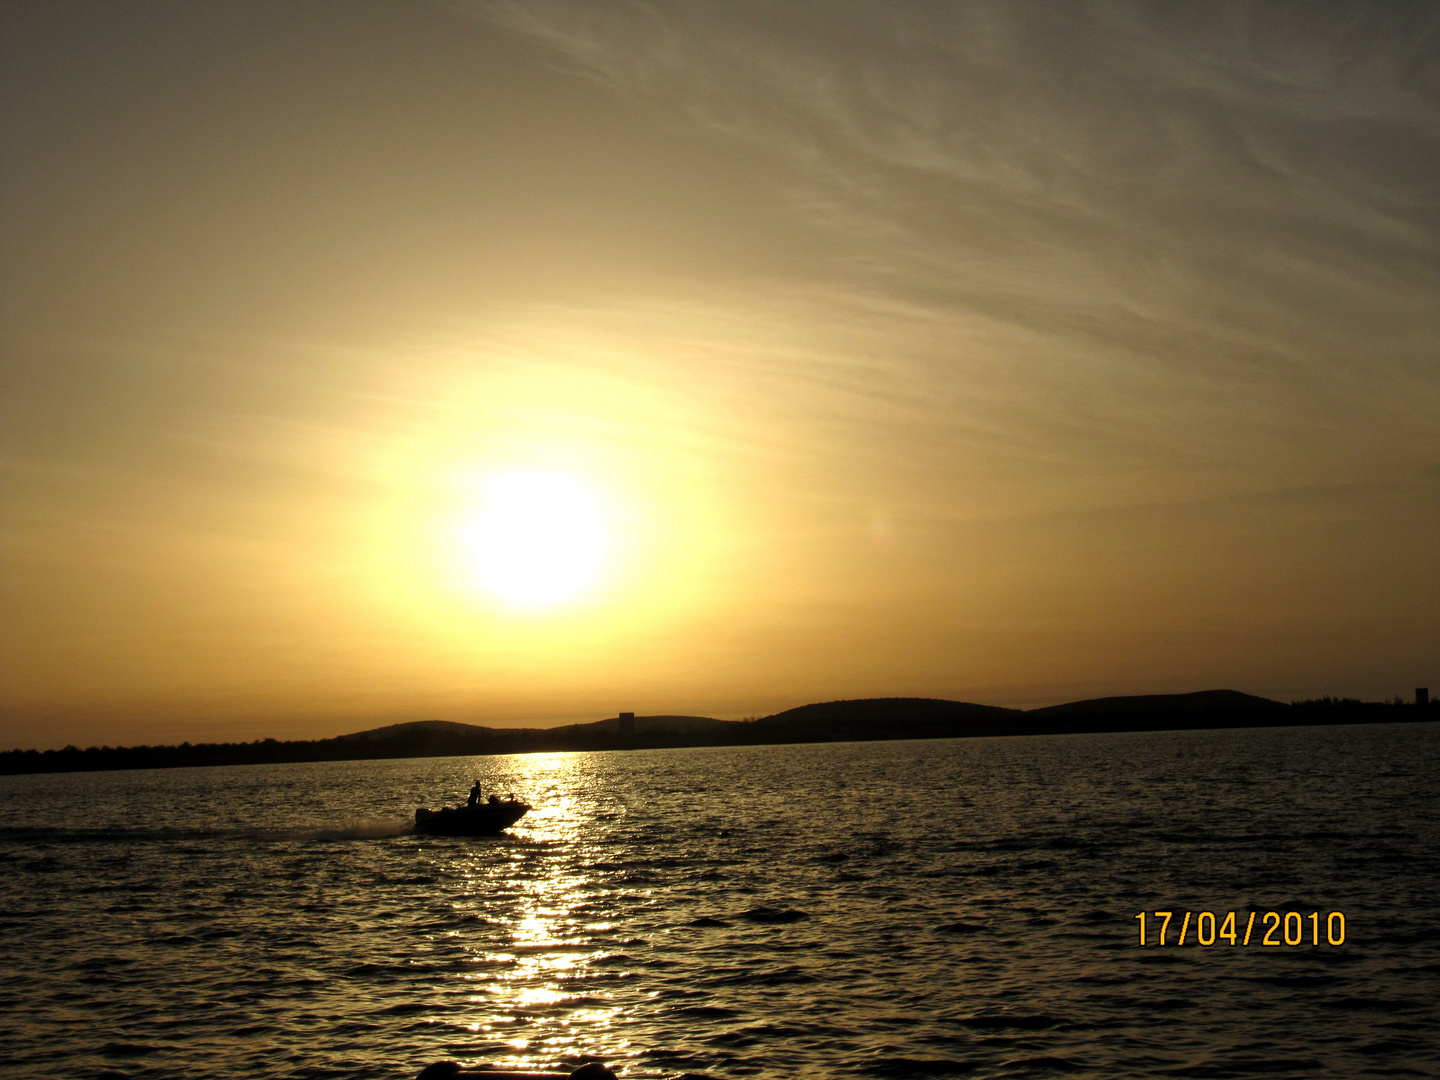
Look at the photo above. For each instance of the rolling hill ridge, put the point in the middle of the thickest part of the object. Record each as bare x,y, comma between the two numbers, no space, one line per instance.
866,719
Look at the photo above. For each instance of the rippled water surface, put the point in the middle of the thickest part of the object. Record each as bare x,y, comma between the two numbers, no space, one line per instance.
956,907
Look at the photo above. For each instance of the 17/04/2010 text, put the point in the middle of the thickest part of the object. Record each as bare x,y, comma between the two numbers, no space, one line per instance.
1275,930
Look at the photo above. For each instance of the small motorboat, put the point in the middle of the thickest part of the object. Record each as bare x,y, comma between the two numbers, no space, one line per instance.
482,819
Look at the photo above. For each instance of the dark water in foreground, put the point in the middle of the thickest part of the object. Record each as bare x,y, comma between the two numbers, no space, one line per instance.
901,909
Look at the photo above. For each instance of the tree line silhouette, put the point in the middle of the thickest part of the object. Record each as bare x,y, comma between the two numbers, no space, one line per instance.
871,719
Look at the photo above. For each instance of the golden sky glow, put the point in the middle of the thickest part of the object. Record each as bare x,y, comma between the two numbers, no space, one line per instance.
524,362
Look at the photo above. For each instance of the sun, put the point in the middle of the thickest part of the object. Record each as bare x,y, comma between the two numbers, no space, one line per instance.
538,538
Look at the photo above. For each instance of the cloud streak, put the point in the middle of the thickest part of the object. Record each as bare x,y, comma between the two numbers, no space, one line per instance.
1230,208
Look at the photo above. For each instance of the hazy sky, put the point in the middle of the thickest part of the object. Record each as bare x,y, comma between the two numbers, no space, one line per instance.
1005,352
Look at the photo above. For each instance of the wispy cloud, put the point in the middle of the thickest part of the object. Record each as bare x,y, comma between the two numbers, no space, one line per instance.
1206,222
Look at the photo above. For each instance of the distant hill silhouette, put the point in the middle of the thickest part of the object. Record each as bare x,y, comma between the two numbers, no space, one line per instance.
927,718
879,710
440,728
1205,701
865,719
427,731
653,725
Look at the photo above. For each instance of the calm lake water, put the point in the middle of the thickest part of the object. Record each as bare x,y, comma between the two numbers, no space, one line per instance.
903,909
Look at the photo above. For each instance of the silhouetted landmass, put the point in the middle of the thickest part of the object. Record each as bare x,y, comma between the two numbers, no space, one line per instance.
832,721
875,718
1206,701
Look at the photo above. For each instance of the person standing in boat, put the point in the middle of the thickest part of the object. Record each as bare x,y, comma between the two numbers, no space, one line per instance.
475,794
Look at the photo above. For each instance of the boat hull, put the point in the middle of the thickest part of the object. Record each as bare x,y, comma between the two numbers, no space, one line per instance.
487,819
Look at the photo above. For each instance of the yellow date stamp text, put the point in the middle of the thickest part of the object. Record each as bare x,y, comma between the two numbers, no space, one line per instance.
1267,929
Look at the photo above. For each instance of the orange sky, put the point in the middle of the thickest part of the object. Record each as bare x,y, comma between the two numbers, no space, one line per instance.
1005,353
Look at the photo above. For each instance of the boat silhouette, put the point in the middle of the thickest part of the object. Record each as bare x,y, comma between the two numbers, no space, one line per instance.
480,819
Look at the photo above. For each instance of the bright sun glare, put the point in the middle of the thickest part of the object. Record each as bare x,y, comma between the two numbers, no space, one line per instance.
538,538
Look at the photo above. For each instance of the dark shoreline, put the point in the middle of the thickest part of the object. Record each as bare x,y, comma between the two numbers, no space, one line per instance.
875,719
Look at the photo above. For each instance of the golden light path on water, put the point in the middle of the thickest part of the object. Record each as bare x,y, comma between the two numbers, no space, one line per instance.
536,975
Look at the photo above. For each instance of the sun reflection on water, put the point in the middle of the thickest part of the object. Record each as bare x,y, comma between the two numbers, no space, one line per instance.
531,1004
